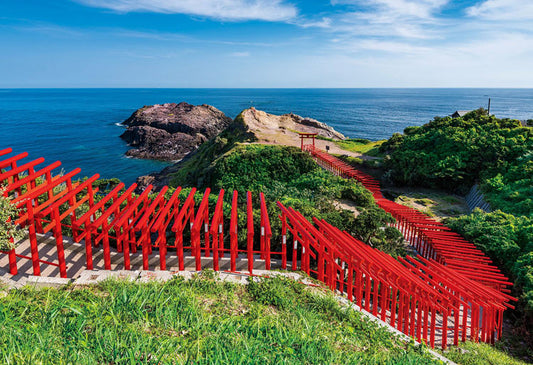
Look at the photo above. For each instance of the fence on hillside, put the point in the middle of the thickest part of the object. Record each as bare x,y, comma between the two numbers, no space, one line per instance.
451,293
474,199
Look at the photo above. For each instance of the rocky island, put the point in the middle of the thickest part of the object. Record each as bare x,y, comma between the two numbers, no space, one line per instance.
170,131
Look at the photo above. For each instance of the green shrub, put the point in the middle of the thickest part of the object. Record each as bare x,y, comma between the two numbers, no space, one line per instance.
9,234
453,153
508,241
512,190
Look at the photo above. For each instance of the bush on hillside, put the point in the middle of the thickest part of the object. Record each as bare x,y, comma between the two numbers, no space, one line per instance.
9,234
512,190
507,240
453,153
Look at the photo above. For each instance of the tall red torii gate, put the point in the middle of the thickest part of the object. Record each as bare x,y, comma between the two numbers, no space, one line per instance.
304,136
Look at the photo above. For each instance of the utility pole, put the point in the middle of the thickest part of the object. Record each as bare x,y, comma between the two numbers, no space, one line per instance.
488,111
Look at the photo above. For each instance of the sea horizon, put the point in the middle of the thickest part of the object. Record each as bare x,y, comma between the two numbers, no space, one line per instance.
262,88
81,126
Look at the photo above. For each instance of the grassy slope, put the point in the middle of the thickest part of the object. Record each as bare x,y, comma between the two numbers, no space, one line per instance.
435,203
196,321
359,145
290,176
370,148
470,353
194,169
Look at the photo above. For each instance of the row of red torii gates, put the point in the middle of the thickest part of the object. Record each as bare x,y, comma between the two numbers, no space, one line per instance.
429,297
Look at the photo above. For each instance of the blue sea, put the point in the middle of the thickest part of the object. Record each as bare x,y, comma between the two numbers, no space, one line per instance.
81,127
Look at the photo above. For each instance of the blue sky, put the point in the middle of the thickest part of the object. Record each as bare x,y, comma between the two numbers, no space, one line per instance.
266,43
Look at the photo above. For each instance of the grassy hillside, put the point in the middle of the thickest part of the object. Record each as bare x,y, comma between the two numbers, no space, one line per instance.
470,353
202,321
290,176
195,168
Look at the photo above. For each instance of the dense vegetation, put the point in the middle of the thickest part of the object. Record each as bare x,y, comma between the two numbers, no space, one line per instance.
454,153
496,153
508,241
512,190
201,321
290,176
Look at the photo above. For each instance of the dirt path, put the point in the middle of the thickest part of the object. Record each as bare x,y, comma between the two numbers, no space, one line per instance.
287,138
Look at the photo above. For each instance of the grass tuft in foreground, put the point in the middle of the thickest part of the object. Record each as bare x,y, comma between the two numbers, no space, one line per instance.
470,353
199,321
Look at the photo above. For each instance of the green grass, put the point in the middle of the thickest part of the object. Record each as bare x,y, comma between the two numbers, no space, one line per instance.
434,203
359,145
470,353
370,148
201,321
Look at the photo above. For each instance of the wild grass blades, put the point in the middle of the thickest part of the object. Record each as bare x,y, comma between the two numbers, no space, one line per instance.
201,321
470,353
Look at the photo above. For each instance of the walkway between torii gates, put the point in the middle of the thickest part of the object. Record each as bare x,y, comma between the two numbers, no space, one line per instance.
421,297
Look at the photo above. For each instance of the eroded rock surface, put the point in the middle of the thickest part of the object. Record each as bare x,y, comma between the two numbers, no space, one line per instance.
171,131
283,129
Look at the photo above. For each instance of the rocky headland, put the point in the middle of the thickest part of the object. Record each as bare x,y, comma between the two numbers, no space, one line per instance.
250,126
171,131
269,128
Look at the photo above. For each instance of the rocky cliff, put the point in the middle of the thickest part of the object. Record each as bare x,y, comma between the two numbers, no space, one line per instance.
171,131
283,129
250,126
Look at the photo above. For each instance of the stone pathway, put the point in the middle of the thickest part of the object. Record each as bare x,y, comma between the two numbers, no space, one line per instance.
76,264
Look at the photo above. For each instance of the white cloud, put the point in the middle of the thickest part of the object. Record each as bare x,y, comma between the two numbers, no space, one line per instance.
392,47
236,10
407,19
325,22
388,9
423,9
240,54
45,28
503,10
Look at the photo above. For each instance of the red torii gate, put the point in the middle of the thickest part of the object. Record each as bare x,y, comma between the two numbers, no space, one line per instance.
409,294
304,136
431,238
47,201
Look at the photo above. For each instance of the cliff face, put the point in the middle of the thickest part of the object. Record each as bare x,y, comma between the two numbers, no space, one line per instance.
171,131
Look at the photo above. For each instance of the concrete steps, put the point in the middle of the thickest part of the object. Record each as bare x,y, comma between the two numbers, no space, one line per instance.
76,260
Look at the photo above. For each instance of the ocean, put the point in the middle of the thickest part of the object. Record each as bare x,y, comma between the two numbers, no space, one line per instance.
81,127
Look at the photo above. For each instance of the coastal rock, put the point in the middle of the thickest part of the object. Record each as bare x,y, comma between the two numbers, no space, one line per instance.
171,131
258,127
283,129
